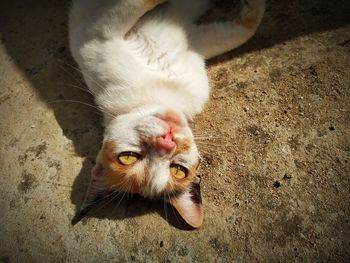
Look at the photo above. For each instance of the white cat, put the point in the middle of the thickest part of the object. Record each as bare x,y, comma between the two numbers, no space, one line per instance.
143,60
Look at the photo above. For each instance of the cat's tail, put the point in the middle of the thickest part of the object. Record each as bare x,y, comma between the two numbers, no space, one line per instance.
214,39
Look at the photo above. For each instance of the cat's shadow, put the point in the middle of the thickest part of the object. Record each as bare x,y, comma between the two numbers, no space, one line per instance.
34,34
123,205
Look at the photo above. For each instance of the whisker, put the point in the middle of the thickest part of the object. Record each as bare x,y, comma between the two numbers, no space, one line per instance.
83,103
122,183
108,201
79,80
201,157
120,201
75,86
207,133
211,146
206,152
208,144
208,137
99,201
124,192
78,70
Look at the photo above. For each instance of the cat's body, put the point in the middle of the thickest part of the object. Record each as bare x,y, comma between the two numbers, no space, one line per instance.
147,74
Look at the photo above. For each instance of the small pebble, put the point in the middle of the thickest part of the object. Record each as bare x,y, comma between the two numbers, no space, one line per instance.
256,132
276,184
287,176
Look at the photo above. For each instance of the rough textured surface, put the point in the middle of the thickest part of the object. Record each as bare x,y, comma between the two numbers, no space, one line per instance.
276,170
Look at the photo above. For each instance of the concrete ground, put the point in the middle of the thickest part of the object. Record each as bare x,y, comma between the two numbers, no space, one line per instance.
276,170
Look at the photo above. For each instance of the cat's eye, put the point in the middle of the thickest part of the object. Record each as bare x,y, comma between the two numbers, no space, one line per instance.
128,158
178,171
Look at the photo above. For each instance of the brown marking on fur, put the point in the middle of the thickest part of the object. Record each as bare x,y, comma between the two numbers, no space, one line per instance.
148,143
248,21
122,182
146,175
117,175
134,186
110,159
149,4
172,118
108,154
169,187
182,146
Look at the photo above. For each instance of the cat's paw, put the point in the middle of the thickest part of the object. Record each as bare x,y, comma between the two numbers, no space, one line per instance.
252,12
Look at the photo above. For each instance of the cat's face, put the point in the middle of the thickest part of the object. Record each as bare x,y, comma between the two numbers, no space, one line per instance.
151,152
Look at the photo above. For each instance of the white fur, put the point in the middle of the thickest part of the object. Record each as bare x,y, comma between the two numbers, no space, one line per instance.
156,64
137,65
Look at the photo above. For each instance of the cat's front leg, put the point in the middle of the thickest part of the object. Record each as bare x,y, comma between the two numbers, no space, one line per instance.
116,17
129,11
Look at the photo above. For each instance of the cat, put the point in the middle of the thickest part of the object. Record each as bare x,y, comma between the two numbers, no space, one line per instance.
144,63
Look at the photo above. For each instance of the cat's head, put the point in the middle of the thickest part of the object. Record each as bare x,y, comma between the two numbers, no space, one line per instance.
151,152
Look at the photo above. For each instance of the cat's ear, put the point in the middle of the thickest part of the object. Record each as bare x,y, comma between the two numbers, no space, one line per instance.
189,205
95,190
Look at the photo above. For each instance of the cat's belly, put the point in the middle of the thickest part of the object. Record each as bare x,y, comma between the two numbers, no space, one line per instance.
151,64
163,51
161,48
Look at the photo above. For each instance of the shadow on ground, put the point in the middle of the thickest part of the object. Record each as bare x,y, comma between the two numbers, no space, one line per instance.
45,60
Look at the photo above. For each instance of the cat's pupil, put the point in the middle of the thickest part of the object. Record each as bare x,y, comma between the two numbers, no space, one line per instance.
128,158
178,171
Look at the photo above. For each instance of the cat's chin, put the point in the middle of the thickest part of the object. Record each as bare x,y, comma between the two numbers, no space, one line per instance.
156,140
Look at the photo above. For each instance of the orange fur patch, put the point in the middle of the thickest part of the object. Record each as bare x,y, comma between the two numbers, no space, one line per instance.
121,178
149,4
116,174
249,20
182,146
147,175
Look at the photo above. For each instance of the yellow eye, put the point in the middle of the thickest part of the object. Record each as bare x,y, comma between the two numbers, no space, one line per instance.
128,158
178,171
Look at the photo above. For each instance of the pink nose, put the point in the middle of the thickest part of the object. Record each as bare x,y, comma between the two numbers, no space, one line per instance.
166,141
